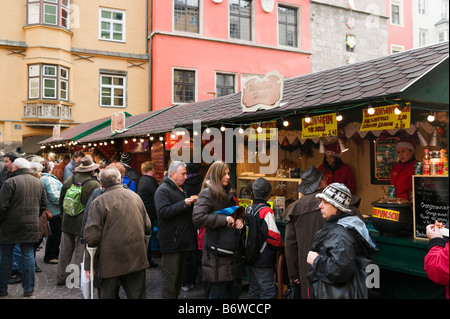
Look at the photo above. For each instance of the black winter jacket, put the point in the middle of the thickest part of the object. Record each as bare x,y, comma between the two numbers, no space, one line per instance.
22,201
339,247
146,190
176,230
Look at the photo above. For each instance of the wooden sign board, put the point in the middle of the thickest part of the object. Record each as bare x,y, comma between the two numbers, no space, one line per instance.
430,202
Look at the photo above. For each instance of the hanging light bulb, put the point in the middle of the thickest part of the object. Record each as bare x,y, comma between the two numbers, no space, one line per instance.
422,140
338,116
134,139
397,110
342,146
241,129
195,133
208,130
307,118
141,140
285,122
370,109
431,117
125,141
222,128
259,129
161,138
112,142
152,138
321,147
434,139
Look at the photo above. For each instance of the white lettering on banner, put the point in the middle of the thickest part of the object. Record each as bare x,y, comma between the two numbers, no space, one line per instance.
73,280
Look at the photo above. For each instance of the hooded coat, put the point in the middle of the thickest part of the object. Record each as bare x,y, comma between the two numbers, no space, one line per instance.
343,245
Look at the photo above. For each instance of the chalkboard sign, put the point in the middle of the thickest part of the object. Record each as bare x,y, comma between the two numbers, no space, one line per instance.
431,202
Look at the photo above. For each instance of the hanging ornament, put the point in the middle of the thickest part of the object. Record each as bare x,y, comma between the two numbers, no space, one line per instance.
350,59
351,4
350,22
350,41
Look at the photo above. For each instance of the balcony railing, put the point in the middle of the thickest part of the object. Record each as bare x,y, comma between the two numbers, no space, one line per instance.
44,113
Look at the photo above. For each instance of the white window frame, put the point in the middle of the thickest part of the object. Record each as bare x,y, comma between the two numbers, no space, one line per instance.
195,86
423,37
37,12
113,75
422,7
398,3
298,31
398,48
112,22
235,75
252,24
39,78
200,19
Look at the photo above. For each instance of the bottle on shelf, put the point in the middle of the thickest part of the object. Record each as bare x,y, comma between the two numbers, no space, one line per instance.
426,163
444,161
433,163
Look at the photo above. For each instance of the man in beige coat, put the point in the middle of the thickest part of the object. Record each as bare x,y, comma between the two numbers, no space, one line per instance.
117,225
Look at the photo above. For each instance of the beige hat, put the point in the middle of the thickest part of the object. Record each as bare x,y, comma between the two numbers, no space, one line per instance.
86,165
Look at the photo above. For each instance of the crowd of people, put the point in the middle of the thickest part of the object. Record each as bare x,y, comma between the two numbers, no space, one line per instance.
327,245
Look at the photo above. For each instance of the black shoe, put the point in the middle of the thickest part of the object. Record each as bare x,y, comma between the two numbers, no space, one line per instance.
3,293
28,293
153,265
16,277
37,269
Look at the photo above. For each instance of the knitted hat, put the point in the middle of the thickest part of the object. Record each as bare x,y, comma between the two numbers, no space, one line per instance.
406,144
126,158
337,195
310,180
261,188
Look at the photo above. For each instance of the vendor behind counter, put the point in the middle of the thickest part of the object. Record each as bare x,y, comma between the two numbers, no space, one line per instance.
402,172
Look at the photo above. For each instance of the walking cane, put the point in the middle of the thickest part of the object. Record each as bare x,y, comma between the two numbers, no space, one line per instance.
92,251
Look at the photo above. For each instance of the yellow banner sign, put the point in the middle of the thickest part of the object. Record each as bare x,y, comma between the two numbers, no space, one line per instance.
384,118
387,214
270,131
320,125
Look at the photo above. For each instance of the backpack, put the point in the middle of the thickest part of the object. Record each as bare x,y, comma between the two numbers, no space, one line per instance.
72,205
129,182
254,241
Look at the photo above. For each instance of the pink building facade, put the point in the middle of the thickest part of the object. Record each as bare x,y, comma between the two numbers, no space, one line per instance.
207,48
400,25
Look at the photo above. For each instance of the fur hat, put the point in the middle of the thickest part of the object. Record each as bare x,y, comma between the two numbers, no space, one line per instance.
338,195
261,188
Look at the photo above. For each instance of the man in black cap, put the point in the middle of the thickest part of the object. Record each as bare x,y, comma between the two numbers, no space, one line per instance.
303,220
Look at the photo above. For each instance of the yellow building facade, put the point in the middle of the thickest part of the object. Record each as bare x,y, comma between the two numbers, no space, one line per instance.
66,62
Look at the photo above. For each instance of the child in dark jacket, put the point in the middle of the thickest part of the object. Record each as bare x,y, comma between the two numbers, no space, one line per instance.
260,273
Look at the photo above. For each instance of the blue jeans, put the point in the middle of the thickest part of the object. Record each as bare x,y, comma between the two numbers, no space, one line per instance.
261,283
28,264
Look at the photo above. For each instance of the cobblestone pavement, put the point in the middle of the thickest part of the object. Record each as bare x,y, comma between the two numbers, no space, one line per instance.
46,287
